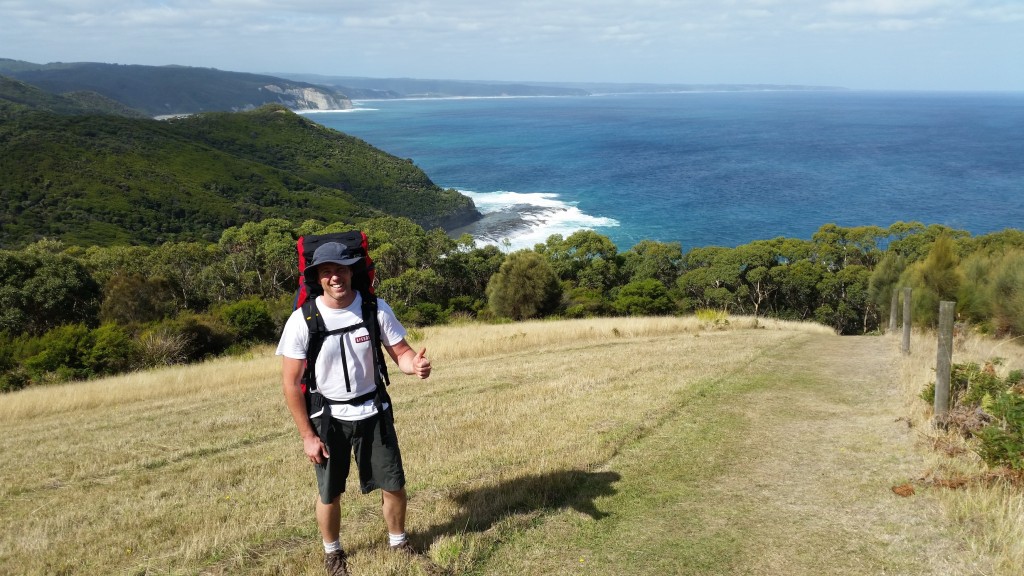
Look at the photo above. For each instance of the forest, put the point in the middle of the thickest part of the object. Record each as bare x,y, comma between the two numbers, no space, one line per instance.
72,312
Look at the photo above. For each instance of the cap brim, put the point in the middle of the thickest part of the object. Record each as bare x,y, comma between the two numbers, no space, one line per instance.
310,271
347,261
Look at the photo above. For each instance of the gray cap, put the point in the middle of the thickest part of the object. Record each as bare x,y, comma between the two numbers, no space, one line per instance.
335,253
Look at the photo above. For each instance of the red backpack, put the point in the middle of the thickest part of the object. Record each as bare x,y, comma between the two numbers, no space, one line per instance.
363,280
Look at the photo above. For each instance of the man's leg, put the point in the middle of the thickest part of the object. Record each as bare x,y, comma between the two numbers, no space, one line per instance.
393,506
328,519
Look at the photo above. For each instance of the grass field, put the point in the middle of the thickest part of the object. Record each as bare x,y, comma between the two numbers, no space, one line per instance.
617,446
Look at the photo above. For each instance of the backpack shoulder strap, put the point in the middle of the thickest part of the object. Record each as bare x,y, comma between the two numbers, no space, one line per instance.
373,327
317,333
380,375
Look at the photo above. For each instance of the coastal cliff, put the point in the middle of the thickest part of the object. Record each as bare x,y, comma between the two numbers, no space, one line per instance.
308,98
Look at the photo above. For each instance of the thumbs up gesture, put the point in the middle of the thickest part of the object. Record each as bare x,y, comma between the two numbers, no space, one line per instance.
420,364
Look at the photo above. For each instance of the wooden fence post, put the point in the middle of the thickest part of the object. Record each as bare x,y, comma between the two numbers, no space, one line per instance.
893,309
944,360
906,320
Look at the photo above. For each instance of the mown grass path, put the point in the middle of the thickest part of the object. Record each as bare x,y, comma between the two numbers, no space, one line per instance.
783,465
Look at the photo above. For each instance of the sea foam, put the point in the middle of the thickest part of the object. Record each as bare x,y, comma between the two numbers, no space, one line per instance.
518,220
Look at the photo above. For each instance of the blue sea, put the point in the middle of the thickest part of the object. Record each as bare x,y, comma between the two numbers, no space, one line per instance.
712,168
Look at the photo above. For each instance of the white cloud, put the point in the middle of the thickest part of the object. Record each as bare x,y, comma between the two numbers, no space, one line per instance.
521,39
905,24
1002,13
886,7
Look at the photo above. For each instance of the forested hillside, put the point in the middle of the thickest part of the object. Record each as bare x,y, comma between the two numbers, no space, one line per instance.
165,90
103,179
17,95
68,312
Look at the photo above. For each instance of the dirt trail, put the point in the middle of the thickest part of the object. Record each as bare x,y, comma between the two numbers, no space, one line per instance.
827,445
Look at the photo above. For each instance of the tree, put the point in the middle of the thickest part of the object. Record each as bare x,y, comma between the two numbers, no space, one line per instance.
586,258
40,290
844,300
1007,294
933,280
660,261
884,279
136,299
258,258
185,265
524,287
647,297
709,279
466,270
797,295
838,247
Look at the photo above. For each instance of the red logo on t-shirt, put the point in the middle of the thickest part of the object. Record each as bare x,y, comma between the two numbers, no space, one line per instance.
361,339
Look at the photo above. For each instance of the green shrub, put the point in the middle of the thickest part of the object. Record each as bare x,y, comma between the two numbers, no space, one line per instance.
969,385
425,314
643,298
1002,441
114,351
251,319
64,354
14,379
524,287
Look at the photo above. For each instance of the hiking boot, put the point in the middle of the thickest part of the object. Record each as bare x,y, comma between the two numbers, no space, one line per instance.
336,563
404,548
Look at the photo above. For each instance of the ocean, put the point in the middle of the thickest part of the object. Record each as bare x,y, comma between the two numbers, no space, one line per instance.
712,168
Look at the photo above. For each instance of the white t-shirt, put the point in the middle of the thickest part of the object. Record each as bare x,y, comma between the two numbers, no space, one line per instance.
330,372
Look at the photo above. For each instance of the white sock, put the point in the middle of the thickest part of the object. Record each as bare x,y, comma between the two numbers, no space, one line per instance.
396,539
332,546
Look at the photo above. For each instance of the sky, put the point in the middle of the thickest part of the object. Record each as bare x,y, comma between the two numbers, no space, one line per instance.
858,44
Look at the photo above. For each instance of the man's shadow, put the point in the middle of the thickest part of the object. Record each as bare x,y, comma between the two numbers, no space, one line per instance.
481,508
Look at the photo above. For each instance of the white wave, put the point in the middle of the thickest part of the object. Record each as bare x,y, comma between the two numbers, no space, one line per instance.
343,111
521,220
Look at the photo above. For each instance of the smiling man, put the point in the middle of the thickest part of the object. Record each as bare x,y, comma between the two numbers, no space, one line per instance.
351,414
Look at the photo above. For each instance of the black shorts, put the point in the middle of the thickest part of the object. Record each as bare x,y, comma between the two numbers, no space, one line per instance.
379,462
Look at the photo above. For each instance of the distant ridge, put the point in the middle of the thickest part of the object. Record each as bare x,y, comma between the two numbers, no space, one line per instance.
18,94
362,88
175,90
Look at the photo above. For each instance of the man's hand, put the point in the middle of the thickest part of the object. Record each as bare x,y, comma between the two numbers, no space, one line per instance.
420,364
315,449
410,361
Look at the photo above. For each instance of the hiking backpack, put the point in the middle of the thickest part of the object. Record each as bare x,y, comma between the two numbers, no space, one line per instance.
363,280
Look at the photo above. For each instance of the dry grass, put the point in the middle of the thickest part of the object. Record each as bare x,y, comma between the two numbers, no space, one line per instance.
525,436
989,510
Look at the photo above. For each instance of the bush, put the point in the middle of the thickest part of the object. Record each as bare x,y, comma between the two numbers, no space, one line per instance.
64,353
187,338
524,287
163,347
982,394
969,384
251,320
425,314
114,351
136,299
643,298
1002,441
14,379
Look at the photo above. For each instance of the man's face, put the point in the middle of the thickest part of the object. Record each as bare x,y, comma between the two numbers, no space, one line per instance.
336,280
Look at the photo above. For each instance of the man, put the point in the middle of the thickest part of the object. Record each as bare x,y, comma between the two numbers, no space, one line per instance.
357,422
